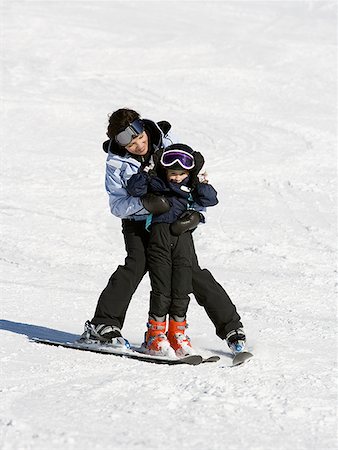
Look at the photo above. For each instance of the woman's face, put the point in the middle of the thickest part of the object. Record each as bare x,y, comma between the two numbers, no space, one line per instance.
139,145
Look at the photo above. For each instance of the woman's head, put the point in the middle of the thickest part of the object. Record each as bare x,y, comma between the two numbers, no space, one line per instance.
119,120
127,129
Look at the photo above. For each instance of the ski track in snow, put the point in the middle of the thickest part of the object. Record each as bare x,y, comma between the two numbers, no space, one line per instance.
252,85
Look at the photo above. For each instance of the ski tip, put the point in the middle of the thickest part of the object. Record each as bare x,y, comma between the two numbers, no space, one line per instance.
210,359
241,358
192,360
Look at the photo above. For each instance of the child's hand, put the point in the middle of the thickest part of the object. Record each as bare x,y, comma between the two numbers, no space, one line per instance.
188,221
203,178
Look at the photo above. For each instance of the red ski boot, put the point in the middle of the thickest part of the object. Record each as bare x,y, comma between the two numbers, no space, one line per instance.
156,342
179,341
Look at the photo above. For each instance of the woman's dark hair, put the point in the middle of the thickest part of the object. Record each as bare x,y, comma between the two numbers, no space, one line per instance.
119,120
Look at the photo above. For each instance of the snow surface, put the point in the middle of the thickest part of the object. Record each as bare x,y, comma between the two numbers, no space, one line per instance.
252,85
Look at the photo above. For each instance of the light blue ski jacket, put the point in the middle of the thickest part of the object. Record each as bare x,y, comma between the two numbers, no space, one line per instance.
118,171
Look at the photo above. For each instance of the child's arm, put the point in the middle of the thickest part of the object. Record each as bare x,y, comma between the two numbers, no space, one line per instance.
205,195
137,185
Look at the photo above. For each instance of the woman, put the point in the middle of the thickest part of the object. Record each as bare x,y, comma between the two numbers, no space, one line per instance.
134,143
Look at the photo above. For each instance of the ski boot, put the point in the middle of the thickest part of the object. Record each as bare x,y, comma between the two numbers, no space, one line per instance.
105,335
155,340
236,341
179,341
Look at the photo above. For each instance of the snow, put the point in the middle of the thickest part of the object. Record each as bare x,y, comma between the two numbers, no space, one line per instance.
252,85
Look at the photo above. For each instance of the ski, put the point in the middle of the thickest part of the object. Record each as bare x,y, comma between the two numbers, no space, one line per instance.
241,358
128,353
211,359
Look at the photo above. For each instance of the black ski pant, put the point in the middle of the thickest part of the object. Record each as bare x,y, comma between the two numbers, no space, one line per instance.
170,271
115,298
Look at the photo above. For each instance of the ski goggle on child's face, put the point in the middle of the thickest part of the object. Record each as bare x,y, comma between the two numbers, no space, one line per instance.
184,159
133,130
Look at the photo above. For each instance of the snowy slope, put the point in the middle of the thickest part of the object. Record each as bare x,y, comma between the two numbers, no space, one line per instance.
252,85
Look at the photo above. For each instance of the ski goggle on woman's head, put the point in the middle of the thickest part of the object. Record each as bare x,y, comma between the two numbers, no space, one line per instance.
184,159
133,130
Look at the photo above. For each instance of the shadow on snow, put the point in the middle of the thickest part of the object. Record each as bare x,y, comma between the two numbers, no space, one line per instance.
35,331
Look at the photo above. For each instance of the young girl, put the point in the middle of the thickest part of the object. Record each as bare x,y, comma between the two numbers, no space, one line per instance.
170,245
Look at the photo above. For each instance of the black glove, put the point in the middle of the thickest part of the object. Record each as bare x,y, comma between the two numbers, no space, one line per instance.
188,221
193,173
155,204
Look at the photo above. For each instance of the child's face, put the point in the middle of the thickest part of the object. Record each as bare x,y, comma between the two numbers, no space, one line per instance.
177,176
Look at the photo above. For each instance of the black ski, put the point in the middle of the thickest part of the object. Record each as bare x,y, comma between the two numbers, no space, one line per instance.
132,354
211,359
241,358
